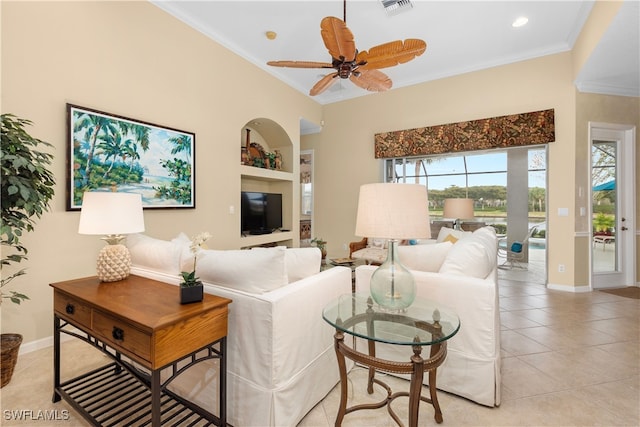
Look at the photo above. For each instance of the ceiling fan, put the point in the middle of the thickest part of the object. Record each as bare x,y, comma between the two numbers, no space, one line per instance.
361,67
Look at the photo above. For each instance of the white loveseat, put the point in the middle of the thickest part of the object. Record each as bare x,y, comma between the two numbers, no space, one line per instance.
280,356
463,277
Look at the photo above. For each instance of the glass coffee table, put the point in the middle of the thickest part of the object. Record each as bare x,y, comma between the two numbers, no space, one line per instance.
424,323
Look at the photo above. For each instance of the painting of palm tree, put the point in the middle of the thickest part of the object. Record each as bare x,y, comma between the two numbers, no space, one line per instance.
112,153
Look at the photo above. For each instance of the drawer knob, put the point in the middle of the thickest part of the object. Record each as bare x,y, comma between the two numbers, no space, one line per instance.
70,308
117,334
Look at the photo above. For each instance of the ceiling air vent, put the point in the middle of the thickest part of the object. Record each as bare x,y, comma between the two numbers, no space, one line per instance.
393,7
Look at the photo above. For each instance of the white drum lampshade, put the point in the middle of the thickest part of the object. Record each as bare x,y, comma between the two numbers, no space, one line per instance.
112,215
394,212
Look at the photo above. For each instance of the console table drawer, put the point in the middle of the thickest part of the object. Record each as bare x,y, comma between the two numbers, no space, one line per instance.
71,309
122,335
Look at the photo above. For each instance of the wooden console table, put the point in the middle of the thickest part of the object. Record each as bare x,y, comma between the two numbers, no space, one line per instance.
142,326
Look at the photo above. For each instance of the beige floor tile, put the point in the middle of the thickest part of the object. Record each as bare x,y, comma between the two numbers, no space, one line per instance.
520,379
518,344
568,360
512,320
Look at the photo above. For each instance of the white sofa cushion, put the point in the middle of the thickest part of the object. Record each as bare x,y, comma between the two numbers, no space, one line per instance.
487,236
248,271
424,257
299,262
471,256
157,254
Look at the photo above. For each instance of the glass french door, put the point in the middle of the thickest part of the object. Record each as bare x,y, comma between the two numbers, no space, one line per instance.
611,246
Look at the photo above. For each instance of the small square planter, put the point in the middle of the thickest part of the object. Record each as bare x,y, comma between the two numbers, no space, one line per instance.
191,294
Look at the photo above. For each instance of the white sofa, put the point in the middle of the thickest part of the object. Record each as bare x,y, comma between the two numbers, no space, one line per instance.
462,276
280,356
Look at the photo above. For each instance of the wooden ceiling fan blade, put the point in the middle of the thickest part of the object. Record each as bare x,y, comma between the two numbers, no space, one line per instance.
372,80
338,38
300,64
391,54
323,84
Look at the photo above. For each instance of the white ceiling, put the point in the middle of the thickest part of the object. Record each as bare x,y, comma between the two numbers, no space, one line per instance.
461,36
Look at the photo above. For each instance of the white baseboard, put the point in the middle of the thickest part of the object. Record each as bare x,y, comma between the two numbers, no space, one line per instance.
42,343
568,288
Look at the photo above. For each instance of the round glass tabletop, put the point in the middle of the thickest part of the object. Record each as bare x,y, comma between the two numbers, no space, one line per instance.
423,323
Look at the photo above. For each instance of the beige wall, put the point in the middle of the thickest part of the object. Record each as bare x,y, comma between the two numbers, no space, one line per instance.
344,156
131,59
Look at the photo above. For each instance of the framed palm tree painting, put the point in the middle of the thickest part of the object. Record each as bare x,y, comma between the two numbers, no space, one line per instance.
107,152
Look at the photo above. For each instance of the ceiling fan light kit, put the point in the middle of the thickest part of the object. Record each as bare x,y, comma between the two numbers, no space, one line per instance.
361,67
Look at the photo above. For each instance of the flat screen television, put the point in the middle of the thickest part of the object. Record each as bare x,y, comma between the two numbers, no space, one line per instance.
261,213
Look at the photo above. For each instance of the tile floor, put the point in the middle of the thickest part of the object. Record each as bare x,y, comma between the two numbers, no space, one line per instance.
568,360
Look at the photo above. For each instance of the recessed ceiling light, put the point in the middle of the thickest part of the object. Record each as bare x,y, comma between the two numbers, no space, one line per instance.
271,35
521,21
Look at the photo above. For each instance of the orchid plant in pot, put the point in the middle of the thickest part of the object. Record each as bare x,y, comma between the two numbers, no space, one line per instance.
191,288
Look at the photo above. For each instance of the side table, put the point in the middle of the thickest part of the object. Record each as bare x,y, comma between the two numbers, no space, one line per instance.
141,325
424,323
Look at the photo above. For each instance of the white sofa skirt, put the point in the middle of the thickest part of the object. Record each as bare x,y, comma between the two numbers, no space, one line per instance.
280,356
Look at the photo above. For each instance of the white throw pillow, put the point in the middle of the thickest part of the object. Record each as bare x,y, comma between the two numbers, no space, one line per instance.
157,254
250,271
458,234
424,257
468,257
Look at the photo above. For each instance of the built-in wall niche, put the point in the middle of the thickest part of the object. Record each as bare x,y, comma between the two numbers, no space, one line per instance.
268,136
265,145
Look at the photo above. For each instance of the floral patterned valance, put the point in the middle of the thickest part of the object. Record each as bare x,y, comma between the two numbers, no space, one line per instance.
515,130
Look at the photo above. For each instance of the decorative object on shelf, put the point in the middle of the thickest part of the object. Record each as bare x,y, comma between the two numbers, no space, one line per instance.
458,209
113,215
394,212
106,151
321,244
278,160
10,348
247,150
270,160
244,156
191,288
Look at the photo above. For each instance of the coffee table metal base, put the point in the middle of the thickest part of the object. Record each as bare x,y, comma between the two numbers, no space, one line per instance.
417,367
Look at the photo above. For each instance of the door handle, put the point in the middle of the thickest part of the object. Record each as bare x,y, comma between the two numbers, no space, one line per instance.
624,228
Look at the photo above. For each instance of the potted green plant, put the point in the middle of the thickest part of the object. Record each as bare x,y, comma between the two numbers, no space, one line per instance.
27,186
321,244
191,288
602,224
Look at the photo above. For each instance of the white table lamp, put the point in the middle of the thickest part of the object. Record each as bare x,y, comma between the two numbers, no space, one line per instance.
394,212
458,209
112,215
